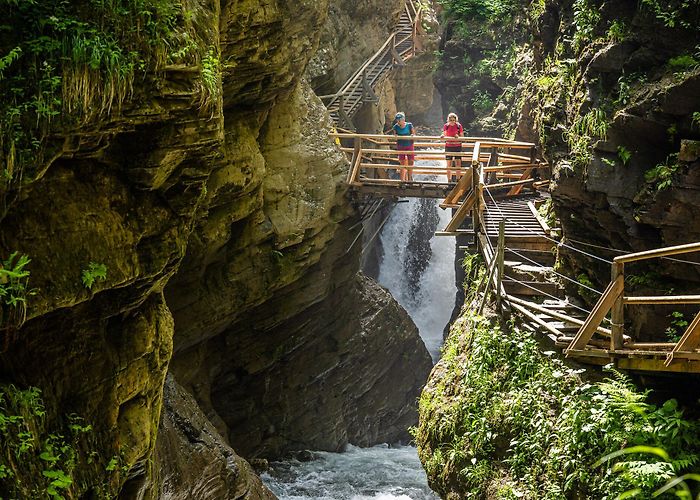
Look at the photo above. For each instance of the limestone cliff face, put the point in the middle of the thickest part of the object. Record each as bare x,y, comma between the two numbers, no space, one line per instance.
221,226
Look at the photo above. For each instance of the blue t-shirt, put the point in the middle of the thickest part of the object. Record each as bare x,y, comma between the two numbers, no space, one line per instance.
407,129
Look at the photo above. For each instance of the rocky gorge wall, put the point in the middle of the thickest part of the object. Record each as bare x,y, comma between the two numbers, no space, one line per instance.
219,215
609,92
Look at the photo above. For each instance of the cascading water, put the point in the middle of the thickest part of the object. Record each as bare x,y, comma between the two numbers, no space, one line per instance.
380,472
418,269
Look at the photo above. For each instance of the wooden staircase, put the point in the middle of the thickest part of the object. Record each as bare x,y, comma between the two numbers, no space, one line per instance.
360,87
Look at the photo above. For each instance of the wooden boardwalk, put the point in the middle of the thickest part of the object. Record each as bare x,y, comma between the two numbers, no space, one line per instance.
493,209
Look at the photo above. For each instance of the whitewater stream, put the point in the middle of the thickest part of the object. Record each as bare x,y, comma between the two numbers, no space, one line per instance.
418,269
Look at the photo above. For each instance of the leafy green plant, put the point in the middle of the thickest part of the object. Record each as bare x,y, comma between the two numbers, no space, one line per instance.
588,128
504,411
645,474
660,177
624,155
677,327
671,13
683,62
695,123
14,287
586,19
482,103
617,31
95,271
39,461
210,81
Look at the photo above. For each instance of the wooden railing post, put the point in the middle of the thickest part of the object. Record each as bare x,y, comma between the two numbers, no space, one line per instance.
617,311
499,260
356,160
476,211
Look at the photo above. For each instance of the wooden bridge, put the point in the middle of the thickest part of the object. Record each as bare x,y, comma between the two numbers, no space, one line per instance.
360,88
494,210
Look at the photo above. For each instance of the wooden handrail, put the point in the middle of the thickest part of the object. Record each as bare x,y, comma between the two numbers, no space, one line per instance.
659,252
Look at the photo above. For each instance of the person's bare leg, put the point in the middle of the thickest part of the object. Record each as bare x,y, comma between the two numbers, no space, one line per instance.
448,166
458,164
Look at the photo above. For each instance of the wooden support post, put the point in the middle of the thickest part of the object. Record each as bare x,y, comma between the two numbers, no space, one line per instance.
618,309
356,160
475,187
606,301
368,94
394,53
344,118
499,260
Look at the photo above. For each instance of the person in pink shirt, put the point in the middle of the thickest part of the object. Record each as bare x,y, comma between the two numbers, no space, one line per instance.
453,129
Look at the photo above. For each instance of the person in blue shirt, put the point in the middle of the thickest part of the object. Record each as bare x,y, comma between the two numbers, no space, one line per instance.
402,128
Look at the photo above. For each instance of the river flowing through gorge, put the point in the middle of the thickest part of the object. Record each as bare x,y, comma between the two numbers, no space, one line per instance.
418,269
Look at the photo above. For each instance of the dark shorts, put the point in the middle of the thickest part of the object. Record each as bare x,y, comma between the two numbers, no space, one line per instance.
453,149
405,156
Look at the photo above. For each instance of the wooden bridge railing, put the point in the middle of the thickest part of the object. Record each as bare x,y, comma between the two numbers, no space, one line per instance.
614,299
487,162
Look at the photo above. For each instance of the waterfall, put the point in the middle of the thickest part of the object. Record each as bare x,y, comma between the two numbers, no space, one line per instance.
418,268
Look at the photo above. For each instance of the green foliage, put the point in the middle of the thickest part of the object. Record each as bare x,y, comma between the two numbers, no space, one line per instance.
504,412
69,61
95,271
38,462
482,103
678,325
586,19
483,10
580,137
683,62
695,123
210,81
660,177
624,155
14,288
672,13
617,31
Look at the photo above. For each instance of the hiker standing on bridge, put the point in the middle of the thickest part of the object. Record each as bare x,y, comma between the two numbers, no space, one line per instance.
403,128
453,129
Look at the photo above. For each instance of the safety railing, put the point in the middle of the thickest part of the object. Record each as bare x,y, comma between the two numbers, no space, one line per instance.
614,300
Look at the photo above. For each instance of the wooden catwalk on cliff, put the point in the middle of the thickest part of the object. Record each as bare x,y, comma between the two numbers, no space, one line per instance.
494,210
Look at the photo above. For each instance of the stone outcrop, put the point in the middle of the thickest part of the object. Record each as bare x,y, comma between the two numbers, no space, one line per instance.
194,461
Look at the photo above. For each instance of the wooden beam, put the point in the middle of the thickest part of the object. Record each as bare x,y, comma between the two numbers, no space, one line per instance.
658,365
537,320
459,190
525,176
555,314
606,301
461,213
617,312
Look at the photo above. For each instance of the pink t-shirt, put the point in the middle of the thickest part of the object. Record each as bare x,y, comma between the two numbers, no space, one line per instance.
452,130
